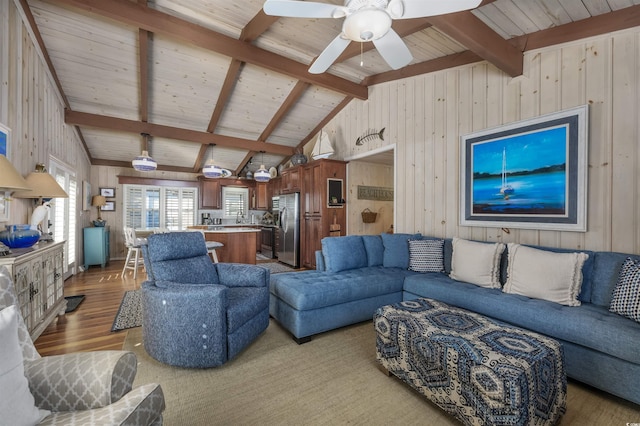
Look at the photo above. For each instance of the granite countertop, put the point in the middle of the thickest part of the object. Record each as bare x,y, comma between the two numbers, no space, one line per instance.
218,229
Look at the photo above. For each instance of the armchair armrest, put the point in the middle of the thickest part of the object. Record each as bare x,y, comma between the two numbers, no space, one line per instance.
81,381
185,324
242,275
142,406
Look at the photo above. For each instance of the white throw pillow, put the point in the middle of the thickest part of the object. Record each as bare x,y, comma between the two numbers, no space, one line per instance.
476,263
547,275
17,406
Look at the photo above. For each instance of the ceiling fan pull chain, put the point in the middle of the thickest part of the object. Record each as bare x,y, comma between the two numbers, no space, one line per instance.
361,59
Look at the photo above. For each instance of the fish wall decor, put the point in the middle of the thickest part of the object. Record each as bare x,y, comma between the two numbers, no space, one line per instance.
369,136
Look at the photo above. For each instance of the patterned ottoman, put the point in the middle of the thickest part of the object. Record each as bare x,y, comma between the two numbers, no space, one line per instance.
481,372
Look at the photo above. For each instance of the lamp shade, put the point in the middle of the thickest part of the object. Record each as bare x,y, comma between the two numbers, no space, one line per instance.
98,200
10,179
42,185
262,174
144,163
210,170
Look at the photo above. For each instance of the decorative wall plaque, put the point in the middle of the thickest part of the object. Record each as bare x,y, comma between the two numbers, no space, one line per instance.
376,193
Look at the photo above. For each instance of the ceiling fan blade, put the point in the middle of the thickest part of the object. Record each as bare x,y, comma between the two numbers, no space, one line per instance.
419,8
329,55
303,9
393,50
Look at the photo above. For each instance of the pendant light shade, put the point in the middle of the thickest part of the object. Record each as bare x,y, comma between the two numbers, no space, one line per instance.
262,174
210,170
144,162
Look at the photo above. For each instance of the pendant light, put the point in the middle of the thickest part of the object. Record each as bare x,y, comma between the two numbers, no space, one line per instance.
143,162
262,174
210,170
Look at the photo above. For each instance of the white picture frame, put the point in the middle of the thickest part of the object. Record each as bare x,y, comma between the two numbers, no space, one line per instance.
5,149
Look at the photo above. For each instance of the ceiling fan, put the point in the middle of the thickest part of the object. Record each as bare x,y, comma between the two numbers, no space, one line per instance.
366,20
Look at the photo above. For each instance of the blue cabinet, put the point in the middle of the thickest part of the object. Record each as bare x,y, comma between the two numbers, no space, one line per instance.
96,246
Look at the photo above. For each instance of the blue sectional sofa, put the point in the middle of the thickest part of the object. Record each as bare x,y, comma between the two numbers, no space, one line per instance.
357,274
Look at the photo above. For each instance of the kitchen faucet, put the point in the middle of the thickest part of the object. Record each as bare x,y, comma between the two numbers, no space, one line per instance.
239,216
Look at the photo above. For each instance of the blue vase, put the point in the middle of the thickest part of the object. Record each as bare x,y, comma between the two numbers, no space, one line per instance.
19,236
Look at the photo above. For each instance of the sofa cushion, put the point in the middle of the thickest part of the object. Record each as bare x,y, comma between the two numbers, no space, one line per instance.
542,274
17,405
588,325
426,255
604,276
626,295
476,262
375,249
344,253
396,250
307,290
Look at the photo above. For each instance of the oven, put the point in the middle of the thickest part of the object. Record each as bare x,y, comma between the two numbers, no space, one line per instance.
267,238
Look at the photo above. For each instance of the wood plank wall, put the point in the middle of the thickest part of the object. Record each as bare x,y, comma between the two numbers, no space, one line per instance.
426,115
31,106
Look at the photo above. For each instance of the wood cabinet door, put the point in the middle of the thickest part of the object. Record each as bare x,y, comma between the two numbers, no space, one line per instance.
262,198
312,236
210,194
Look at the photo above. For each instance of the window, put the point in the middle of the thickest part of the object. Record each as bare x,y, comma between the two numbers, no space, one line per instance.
159,207
235,201
62,218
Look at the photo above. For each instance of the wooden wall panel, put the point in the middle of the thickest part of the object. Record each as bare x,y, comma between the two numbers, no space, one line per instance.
425,116
32,107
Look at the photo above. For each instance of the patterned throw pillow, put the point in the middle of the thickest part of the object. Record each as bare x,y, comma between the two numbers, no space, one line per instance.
626,296
426,255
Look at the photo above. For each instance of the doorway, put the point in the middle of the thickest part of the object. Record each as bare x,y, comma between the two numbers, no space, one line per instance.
372,170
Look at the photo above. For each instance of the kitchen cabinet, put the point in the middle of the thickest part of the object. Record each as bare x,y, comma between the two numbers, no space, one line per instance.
291,180
96,246
210,194
321,217
37,276
262,196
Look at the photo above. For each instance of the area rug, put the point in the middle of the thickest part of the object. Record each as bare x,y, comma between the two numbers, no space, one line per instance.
276,267
332,380
73,302
130,311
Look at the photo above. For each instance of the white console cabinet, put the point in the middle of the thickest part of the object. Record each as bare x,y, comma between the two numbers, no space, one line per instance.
37,275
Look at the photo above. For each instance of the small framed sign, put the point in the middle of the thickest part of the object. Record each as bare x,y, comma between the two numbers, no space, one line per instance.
108,192
110,206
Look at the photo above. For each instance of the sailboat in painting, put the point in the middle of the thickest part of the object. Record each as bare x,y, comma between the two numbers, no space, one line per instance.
505,189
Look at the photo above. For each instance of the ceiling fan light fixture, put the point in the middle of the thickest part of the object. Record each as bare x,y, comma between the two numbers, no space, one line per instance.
366,24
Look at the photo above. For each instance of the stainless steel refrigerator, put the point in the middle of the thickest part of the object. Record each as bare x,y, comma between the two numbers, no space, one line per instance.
289,245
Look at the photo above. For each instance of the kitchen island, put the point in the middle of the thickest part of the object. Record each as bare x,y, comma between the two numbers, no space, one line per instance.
239,242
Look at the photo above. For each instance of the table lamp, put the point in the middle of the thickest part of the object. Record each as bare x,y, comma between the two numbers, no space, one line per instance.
10,180
98,201
43,186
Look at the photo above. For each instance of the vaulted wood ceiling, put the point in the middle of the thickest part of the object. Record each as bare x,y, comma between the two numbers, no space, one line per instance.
220,79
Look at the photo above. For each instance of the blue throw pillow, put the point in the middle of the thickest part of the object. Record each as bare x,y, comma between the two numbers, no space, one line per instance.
396,250
344,253
375,249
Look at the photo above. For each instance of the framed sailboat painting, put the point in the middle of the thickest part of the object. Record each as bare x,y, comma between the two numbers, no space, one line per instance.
531,174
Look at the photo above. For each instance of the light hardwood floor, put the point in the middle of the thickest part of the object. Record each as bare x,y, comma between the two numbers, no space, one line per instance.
88,328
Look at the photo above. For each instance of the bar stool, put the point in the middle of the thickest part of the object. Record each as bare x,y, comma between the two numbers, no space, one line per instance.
211,248
134,259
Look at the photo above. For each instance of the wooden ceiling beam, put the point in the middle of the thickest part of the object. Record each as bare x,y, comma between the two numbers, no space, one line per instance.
293,97
162,23
618,20
471,32
258,25
157,130
201,153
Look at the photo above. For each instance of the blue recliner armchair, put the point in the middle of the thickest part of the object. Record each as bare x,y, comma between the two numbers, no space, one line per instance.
197,313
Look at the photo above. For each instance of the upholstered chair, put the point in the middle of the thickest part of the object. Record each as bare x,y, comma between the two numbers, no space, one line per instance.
74,389
196,313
